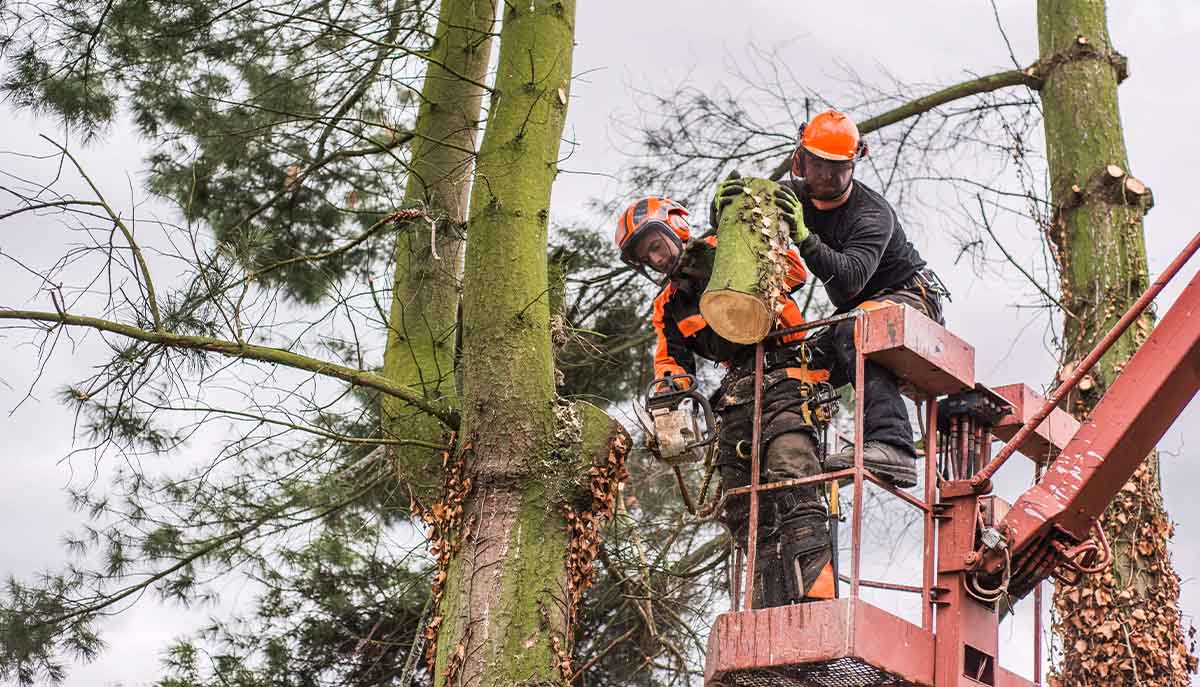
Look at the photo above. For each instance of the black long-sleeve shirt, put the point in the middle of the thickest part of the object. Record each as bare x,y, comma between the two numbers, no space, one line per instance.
857,249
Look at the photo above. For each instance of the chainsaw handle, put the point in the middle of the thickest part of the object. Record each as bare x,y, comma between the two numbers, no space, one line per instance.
710,422
674,388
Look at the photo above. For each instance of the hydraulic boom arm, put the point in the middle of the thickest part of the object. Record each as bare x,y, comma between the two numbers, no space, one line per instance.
1049,530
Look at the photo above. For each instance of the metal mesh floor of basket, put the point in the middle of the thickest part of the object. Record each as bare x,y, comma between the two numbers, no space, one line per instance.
841,672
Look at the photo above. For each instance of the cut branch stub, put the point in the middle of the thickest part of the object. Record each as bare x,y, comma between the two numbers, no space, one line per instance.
743,295
1110,184
1135,186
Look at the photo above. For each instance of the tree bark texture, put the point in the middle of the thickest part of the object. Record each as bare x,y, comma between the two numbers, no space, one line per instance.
506,603
1121,627
428,257
743,294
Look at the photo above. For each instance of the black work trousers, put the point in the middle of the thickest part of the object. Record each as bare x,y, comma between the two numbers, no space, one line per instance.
885,418
793,537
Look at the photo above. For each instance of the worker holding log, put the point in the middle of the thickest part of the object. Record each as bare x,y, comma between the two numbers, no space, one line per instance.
850,239
655,238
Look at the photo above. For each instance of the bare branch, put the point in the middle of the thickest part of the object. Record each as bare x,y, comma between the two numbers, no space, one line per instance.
987,225
399,215
984,84
133,246
309,429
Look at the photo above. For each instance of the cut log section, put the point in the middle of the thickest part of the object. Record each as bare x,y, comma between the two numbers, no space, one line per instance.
744,294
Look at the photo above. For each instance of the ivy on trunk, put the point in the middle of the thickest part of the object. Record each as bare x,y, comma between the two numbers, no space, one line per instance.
1121,627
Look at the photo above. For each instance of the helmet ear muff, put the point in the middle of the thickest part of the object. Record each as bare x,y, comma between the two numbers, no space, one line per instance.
680,226
797,170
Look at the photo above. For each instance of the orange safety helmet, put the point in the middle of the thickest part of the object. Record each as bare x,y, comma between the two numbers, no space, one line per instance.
829,145
646,216
831,135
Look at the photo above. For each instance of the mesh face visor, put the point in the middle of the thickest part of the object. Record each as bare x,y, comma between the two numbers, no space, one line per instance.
637,251
825,179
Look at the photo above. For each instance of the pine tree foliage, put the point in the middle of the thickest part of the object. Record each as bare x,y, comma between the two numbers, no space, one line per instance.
603,321
315,526
280,126
281,134
342,608
280,465
288,489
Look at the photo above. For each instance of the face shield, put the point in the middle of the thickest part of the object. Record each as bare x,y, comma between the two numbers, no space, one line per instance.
824,179
653,246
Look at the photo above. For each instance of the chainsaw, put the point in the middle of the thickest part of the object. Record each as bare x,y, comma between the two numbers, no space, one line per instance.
679,427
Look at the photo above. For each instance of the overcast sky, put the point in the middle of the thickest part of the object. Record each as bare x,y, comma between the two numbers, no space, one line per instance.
624,46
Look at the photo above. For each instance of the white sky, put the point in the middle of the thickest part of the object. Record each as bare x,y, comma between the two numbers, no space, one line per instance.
624,44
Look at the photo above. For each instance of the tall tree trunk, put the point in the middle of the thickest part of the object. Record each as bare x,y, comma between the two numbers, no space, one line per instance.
512,564
1121,627
422,321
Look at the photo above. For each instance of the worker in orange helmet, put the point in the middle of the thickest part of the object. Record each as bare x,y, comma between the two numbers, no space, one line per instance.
851,239
794,554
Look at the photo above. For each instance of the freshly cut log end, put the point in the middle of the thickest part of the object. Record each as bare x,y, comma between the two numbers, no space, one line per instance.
738,317
749,266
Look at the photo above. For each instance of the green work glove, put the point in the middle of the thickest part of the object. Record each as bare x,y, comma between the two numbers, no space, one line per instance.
727,190
792,212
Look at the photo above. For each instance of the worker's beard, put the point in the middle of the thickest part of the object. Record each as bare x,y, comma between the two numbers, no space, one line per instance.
828,192
823,179
826,180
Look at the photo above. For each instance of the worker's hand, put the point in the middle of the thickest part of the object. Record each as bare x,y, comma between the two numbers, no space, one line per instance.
727,190
792,212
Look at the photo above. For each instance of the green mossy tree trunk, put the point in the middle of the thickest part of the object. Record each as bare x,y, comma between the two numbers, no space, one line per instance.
742,297
505,608
425,292
1121,627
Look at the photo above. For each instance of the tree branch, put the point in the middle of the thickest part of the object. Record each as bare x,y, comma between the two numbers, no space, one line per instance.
687,566
310,429
398,216
984,84
632,343
398,139
42,206
426,55
243,350
987,225
210,547
133,246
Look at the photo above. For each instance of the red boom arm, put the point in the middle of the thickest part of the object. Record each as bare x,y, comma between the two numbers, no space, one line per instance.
1050,525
